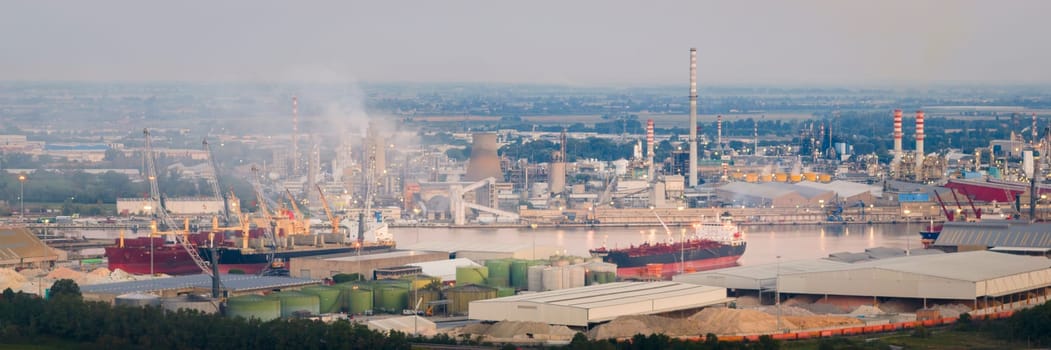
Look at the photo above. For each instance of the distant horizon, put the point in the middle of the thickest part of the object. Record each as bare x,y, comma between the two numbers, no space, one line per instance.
685,86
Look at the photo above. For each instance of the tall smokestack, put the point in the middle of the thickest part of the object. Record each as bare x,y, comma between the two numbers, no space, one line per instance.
719,133
897,134
919,143
295,136
693,117
649,148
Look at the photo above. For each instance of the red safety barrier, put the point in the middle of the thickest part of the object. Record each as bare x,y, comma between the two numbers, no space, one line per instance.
889,327
853,330
873,329
908,324
836,332
752,338
930,323
1006,314
785,336
825,334
949,320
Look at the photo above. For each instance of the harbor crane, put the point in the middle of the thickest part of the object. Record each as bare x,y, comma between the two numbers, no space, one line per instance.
209,268
213,181
332,219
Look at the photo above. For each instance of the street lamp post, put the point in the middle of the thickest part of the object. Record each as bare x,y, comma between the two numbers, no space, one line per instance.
22,196
777,292
908,222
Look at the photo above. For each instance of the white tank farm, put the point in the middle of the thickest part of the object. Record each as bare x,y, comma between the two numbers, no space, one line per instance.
535,278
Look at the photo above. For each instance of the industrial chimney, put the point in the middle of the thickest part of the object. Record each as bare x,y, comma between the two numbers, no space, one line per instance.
693,117
649,149
897,134
558,166
919,144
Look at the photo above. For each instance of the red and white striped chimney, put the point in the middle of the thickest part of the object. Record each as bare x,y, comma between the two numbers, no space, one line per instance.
649,149
897,133
919,142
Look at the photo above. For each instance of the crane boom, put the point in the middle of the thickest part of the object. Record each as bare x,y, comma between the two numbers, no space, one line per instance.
151,173
328,212
213,180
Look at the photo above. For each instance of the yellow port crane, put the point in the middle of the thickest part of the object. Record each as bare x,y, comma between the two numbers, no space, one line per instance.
299,223
332,219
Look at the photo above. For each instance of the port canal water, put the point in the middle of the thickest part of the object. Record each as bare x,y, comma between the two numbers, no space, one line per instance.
765,242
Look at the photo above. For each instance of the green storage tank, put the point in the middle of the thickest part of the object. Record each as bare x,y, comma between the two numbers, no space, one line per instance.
328,297
393,299
254,306
520,273
420,281
293,302
504,292
460,297
471,275
499,273
344,295
359,301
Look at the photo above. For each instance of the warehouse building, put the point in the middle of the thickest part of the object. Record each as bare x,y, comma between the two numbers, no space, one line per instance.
324,266
961,277
20,247
598,303
1008,236
193,284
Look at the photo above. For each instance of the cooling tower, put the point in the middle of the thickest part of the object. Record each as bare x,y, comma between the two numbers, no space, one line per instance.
484,162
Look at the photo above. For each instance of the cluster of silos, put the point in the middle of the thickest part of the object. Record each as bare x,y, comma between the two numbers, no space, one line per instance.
254,306
561,275
462,295
781,177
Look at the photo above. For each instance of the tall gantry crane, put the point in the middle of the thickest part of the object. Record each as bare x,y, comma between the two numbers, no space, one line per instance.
155,195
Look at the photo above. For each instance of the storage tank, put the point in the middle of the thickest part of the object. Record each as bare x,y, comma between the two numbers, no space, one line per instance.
461,296
536,278
359,301
574,276
520,273
137,300
796,178
471,275
553,278
812,177
424,296
419,281
254,306
392,299
826,178
328,298
190,302
781,177
345,289
293,303
499,273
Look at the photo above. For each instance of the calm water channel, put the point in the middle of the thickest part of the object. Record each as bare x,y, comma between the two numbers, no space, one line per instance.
765,242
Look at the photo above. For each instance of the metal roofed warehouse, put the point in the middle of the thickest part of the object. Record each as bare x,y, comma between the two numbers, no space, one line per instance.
597,303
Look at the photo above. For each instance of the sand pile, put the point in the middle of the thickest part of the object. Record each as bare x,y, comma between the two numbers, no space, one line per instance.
100,272
66,273
824,309
628,326
33,273
747,301
786,310
864,310
736,321
11,279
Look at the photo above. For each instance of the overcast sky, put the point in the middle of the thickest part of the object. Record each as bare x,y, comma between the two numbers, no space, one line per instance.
559,42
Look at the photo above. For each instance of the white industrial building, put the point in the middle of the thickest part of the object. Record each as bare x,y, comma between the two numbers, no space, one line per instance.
597,303
968,276
444,269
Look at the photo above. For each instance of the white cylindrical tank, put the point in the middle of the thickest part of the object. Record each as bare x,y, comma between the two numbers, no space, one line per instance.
535,276
553,278
573,276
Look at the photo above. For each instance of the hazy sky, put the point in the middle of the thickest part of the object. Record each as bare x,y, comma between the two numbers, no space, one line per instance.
559,42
